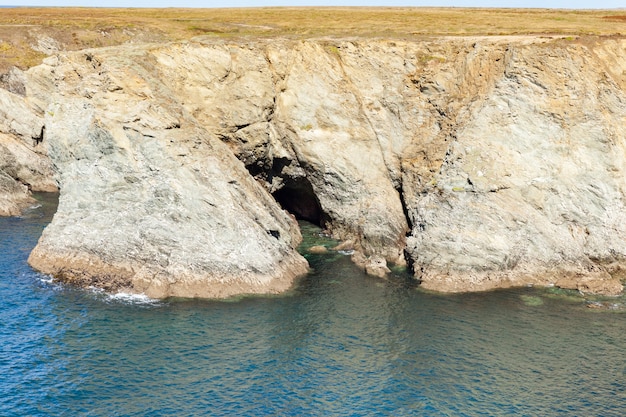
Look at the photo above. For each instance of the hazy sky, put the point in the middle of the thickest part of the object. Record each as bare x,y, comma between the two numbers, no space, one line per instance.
570,4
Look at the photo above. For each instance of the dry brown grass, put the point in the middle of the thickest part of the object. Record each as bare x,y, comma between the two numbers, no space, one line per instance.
618,18
79,28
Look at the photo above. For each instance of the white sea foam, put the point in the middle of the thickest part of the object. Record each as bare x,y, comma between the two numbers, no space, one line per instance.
128,298
49,282
121,297
346,252
46,279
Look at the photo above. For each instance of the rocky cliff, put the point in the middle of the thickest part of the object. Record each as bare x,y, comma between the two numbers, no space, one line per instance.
483,162
24,166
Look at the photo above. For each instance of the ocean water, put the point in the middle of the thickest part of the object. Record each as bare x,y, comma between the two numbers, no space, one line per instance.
340,344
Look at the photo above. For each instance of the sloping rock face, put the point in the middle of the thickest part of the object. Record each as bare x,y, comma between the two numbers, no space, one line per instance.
484,162
150,201
294,116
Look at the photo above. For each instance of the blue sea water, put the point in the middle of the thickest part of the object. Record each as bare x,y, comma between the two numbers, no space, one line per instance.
340,344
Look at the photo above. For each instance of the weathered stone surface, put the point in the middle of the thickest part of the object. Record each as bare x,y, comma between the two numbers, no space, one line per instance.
531,188
14,81
505,154
487,162
14,197
150,201
18,118
372,265
24,166
292,115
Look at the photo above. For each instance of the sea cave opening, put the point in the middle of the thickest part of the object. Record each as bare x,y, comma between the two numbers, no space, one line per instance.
298,198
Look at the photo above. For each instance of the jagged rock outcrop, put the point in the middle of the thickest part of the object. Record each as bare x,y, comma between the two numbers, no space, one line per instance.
531,188
290,112
150,201
24,165
487,162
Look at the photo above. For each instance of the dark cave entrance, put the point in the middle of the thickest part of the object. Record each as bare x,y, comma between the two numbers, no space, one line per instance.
298,198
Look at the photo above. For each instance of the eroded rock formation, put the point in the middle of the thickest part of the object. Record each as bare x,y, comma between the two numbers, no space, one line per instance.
150,200
24,165
484,162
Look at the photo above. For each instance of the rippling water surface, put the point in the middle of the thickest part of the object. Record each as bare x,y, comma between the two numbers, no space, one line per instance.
342,344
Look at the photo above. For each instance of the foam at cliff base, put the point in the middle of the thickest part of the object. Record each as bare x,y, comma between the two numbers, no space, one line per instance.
125,298
128,298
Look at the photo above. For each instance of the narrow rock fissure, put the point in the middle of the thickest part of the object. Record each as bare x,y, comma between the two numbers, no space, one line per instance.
38,139
405,209
410,264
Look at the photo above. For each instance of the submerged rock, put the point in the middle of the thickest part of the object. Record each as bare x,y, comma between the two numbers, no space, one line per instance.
318,249
531,300
372,265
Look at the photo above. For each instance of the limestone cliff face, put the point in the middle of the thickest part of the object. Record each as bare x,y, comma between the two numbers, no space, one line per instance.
151,201
485,162
24,165
531,188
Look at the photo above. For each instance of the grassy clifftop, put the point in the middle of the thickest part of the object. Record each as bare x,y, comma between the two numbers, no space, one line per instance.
29,34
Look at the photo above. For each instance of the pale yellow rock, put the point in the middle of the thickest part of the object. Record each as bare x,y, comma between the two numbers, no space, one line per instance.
24,166
488,162
318,249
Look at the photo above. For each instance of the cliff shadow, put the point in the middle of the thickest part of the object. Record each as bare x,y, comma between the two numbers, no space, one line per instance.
298,198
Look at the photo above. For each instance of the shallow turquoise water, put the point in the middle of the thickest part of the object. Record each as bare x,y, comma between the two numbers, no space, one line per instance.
342,344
